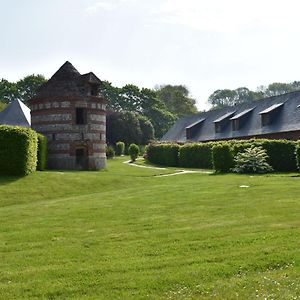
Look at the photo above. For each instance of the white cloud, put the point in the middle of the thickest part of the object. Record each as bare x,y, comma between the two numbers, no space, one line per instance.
231,15
100,5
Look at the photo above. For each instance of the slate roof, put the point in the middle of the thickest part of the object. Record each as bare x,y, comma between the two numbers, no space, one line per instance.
67,81
287,119
16,113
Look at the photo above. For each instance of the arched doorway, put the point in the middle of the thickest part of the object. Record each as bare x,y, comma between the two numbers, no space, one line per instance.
81,158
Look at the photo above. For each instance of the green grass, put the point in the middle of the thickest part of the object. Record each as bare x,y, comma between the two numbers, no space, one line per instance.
125,233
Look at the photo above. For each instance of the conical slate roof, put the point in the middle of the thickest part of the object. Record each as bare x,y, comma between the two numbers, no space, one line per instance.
16,113
67,81
66,72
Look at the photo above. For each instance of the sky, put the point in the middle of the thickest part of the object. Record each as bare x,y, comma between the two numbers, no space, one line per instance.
203,44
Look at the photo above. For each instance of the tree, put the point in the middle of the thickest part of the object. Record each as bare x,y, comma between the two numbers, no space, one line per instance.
112,95
128,127
8,91
176,99
146,129
28,86
277,88
222,98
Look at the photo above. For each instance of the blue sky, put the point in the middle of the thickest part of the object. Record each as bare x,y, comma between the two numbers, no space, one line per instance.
205,45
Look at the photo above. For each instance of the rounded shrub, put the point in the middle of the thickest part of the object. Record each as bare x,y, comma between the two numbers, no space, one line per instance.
110,152
134,151
252,160
120,148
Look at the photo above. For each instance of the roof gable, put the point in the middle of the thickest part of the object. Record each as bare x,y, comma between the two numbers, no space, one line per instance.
16,113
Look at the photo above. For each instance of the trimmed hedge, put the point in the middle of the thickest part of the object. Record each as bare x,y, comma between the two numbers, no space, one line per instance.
297,153
18,150
281,153
41,152
222,157
196,155
163,154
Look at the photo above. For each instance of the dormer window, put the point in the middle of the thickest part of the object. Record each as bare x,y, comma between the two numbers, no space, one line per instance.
192,130
268,116
222,122
94,89
239,120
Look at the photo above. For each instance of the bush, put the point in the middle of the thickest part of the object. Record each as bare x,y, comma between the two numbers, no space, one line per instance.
163,154
281,154
297,152
252,160
110,152
41,152
134,151
196,155
120,147
18,150
222,157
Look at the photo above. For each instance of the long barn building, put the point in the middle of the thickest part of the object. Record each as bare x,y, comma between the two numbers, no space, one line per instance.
69,110
276,117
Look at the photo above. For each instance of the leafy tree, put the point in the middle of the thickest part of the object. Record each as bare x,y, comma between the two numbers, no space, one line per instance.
28,86
142,101
222,98
176,99
112,94
129,127
8,91
146,129
161,119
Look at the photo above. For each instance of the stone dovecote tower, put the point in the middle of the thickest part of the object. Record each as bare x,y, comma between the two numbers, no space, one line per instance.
69,110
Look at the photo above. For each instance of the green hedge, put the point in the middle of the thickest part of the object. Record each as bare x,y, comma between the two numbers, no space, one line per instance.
196,155
41,152
163,154
297,153
18,150
222,157
281,153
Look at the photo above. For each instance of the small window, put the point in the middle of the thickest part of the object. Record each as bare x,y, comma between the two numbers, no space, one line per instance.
235,125
80,116
53,137
265,119
94,90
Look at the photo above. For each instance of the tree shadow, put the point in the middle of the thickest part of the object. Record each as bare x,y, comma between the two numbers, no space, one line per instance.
8,179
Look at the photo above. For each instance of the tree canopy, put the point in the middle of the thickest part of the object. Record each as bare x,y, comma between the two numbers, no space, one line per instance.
227,97
23,90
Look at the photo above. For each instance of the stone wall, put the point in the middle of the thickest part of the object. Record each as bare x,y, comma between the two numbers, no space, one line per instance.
56,118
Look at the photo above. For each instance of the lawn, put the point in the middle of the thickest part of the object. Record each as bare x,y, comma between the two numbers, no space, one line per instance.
126,233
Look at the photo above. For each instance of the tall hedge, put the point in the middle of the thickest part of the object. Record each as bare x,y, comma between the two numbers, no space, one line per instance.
196,155
281,153
18,150
222,157
41,152
297,153
163,154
